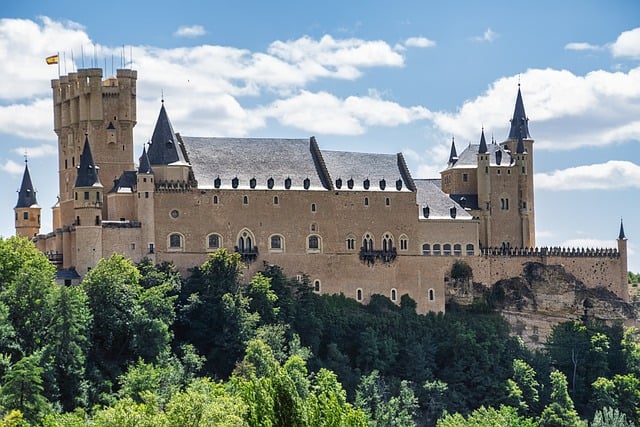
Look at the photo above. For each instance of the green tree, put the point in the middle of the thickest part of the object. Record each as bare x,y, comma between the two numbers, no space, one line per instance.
68,344
523,387
610,417
560,412
384,410
487,417
22,389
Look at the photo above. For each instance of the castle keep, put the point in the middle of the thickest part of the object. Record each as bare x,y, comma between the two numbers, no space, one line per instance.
355,223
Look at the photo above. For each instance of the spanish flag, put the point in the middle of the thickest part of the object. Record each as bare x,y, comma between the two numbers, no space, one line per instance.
53,59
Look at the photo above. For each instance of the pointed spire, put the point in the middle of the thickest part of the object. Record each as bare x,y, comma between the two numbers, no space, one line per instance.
164,148
145,165
621,236
26,194
483,144
87,170
519,122
453,156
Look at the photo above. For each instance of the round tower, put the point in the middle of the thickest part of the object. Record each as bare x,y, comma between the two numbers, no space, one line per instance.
27,210
145,204
484,191
624,274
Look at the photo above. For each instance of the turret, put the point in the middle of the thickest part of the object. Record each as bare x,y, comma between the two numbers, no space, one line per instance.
27,211
624,275
145,203
167,154
88,196
484,190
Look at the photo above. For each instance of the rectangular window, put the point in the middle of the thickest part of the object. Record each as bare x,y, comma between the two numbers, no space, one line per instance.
351,244
146,194
465,177
25,215
86,195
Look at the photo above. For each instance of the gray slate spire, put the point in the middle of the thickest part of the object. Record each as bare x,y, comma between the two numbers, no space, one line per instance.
621,236
453,156
519,122
164,148
26,194
520,148
483,144
87,170
145,165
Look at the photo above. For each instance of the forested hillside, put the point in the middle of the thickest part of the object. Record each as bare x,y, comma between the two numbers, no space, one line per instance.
137,345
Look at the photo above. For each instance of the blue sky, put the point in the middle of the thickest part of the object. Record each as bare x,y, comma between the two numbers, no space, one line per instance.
359,75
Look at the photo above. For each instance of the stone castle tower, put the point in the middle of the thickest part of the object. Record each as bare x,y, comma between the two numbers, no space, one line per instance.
86,108
494,182
27,210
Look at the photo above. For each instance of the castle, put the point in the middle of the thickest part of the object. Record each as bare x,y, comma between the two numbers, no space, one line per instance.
355,223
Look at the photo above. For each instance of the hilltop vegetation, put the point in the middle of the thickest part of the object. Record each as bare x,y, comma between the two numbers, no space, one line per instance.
138,345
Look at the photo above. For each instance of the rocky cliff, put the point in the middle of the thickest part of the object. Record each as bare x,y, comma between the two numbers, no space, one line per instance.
542,296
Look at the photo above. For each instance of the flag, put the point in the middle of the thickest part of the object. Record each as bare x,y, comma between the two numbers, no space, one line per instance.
53,59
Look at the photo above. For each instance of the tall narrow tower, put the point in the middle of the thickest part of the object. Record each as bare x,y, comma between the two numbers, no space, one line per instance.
624,274
27,210
484,191
105,110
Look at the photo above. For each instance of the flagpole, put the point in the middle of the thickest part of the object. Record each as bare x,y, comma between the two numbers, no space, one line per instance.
58,64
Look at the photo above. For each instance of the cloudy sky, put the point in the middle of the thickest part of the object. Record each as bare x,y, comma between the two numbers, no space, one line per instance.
389,77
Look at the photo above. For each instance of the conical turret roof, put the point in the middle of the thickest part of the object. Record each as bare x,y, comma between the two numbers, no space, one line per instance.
483,144
164,148
87,170
26,194
621,236
519,122
453,155
145,165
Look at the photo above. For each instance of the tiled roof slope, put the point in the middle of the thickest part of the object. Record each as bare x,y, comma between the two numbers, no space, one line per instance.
430,195
346,165
248,158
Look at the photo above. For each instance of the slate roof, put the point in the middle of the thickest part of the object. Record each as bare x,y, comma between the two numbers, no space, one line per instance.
126,183
346,165
87,170
26,194
519,122
248,158
145,164
165,147
469,157
621,235
429,194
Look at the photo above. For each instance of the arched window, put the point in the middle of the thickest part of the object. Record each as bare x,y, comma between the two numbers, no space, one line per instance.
215,200
214,241
313,243
470,249
245,200
394,295
276,243
446,249
313,207
351,243
317,286
404,242
436,249
276,200
457,249
426,249
387,201
359,294
245,242
387,242
175,241
367,242
366,201
432,295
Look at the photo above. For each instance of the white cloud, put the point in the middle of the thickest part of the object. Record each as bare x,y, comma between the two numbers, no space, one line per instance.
190,31
12,168
627,44
613,174
488,36
588,243
324,113
567,111
43,150
419,42
580,46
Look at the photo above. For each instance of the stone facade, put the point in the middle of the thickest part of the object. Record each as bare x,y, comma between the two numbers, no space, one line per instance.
354,223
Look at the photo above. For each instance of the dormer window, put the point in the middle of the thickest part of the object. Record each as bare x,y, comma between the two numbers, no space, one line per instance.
217,182
425,211
234,182
350,183
252,183
270,183
366,184
339,183
287,183
399,185
383,184
307,183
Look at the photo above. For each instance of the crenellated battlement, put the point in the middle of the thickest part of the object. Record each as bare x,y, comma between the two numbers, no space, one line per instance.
554,251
